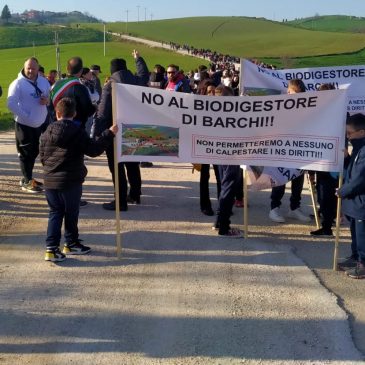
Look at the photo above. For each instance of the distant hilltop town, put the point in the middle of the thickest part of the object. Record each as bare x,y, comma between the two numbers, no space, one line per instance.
49,17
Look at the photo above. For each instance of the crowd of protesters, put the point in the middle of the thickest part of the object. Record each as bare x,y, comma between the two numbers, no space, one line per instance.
71,116
208,54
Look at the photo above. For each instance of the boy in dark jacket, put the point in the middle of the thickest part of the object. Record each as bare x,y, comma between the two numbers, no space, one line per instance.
62,150
353,197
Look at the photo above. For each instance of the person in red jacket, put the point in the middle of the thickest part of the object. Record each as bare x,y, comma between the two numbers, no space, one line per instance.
176,81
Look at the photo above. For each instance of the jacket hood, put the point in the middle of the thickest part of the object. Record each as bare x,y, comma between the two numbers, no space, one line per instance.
121,76
179,77
22,76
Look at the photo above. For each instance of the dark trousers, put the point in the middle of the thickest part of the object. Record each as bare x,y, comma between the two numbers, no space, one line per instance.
205,203
239,190
277,193
27,145
326,188
357,228
63,205
229,176
134,177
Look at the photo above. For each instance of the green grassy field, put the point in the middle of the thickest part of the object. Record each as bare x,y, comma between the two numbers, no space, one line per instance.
282,45
332,23
12,61
241,36
25,36
345,59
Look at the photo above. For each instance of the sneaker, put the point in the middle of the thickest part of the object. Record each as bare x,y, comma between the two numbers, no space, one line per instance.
111,206
215,227
349,263
275,215
325,233
358,272
31,187
54,255
238,203
83,203
232,233
75,248
299,215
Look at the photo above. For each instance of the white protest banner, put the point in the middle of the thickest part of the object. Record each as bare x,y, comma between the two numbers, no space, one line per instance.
264,177
256,80
303,131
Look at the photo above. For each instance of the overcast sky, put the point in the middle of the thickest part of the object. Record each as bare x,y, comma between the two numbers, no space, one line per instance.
115,10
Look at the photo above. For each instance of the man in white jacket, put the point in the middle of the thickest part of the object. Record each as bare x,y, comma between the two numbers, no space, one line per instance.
27,100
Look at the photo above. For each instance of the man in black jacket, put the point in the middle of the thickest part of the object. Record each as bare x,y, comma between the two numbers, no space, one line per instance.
62,150
120,74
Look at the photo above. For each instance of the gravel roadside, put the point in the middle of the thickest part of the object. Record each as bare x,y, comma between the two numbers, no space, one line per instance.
180,294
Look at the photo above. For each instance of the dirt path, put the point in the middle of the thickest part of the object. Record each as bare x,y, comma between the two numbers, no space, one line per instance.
161,45
180,294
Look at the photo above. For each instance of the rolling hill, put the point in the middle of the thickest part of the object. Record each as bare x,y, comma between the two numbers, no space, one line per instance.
242,36
27,35
331,23
280,43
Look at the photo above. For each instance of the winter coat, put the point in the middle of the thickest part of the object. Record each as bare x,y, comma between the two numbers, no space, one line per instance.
180,84
78,92
104,118
352,191
62,148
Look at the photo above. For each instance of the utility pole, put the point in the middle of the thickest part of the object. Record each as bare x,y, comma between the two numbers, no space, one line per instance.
126,23
151,17
58,63
104,41
138,6
145,14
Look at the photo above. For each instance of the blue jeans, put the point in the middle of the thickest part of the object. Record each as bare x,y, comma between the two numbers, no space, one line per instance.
63,204
357,228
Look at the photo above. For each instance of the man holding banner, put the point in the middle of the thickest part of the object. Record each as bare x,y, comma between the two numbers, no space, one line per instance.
121,75
295,86
301,131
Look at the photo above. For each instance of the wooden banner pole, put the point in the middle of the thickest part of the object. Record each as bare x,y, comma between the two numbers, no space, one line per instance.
314,202
245,203
338,223
116,180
